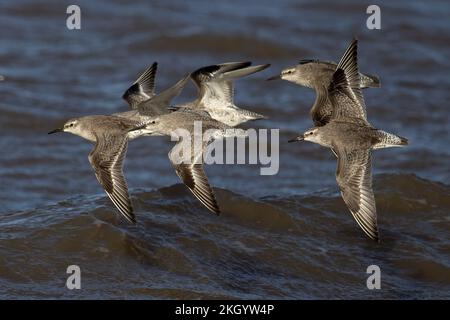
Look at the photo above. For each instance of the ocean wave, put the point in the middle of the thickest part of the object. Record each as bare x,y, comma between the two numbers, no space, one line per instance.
305,246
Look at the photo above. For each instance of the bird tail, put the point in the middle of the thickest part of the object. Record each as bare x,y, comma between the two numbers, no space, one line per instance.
403,141
252,115
387,140
369,81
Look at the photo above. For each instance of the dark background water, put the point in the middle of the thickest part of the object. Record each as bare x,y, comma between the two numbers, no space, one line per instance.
283,236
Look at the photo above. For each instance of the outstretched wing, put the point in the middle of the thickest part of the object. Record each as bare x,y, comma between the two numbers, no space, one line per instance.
215,82
194,177
160,103
344,91
354,177
143,88
107,160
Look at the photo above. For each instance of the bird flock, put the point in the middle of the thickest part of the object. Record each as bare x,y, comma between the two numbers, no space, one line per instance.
338,114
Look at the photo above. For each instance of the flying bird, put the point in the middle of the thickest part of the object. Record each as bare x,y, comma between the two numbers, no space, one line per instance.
110,136
215,92
317,75
351,138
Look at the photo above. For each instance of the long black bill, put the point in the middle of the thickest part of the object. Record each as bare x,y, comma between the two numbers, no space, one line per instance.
299,138
278,77
56,130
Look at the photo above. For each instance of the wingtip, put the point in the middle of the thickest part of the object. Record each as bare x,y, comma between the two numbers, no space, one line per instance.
259,67
148,74
142,88
372,233
265,66
375,236
133,221
216,211
212,207
130,217
347,72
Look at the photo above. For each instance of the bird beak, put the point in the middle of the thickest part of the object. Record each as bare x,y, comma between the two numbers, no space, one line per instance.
56,130
278,77
299,138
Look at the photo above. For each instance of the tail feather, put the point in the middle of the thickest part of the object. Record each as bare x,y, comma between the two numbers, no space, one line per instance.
369,81
403,141
387,140
252,115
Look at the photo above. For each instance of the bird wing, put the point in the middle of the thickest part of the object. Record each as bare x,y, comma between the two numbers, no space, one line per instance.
107,161
344,90
143,88
194,177
160,103
215,82
321,109
354,177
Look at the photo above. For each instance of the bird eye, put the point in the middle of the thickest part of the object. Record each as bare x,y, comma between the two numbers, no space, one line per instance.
71,125
153,122
311,133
